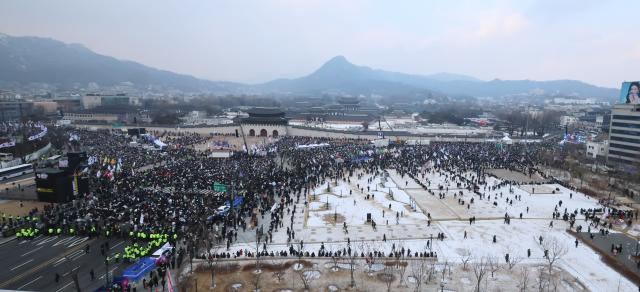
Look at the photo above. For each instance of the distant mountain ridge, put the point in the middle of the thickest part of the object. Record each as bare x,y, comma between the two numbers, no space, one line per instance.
43,60
338,74
27,60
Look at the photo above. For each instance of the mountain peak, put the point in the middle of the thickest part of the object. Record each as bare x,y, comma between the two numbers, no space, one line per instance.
338,60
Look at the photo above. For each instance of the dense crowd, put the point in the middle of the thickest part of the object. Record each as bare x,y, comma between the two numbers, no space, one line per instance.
170,192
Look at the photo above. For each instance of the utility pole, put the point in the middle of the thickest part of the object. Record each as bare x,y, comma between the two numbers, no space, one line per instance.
106,274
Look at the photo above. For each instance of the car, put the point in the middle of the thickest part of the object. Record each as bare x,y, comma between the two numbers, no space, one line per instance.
222,210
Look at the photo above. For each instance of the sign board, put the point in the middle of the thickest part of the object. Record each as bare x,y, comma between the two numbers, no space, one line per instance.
218,187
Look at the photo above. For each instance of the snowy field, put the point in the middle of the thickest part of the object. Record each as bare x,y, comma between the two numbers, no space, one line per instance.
401,209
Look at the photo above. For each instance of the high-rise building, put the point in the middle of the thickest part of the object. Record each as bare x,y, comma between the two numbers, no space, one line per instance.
624,134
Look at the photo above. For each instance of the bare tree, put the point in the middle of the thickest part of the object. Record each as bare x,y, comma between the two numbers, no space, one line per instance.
256,280
387,275
524,279
444,268
351,261
554,250
466,256
542,279
334,259
418,271
402,270
279,270
494,265
513,261
431,270
213,260
306,276
480,271
368,249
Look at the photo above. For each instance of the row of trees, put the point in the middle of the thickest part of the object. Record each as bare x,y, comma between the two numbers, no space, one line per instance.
418,271
522,122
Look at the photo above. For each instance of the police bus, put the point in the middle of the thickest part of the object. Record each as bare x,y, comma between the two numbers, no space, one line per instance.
14,171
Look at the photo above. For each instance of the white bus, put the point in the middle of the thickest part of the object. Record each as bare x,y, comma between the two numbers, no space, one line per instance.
14,171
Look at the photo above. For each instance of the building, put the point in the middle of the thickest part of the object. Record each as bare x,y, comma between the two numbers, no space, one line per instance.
68,104
48,107
117,100
568,120
264,122
94,100
91,101
624,134
14,110
596,149
107,116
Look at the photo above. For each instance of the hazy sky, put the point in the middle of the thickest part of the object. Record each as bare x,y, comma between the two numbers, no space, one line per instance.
255,41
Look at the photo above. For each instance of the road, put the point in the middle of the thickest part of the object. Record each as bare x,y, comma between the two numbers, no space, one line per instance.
32,264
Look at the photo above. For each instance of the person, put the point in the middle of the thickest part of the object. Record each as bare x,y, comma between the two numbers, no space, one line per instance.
633,97
92,274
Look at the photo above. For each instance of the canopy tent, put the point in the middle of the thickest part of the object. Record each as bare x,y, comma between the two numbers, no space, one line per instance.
159,143
138,270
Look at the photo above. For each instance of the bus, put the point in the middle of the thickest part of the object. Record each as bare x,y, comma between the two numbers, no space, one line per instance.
14,171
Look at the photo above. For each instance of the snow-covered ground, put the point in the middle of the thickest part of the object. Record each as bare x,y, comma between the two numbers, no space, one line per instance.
449,215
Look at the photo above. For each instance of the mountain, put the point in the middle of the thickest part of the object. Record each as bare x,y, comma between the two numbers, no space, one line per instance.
339,75
41,60
26,60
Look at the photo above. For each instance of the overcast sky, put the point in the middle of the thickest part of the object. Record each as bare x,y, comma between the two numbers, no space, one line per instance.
255,41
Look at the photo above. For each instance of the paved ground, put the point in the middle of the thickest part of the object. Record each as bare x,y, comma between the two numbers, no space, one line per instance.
19,188
603,244
32,264
516,176
19,208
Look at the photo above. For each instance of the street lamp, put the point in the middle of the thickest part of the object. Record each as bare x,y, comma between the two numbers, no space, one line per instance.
106,275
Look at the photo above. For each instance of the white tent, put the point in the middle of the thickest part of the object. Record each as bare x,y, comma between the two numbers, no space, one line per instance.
507,140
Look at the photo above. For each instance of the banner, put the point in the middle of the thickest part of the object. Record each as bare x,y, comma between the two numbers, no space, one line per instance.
630,92
39,135
7,144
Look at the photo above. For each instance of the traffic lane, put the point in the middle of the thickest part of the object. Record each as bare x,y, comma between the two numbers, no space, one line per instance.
35,258
38,249
78,262
26,257
80,265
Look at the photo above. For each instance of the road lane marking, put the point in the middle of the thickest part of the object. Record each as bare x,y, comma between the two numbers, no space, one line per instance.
66,257
30,282
121,242
75,258
20,265
78,241
34,269
59,261
110,272
33,250
75,253
48,239
39,239
65,286
64,241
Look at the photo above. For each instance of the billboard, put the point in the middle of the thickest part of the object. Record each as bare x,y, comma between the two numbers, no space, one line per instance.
630,92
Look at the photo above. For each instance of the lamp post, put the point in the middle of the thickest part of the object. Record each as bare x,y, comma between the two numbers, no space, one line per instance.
106,274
